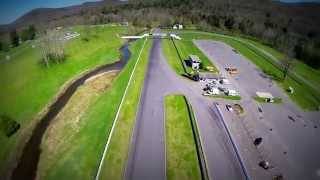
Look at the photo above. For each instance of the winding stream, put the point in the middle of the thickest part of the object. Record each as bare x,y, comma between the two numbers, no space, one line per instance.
27,166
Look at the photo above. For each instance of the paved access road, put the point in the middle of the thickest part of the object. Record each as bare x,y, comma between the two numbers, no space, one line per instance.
147,159
291,144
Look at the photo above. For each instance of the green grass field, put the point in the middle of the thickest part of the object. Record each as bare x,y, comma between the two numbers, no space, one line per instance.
306,97
117,153
172,56
63,142
235,98
181,156
302,69
84,146
27,87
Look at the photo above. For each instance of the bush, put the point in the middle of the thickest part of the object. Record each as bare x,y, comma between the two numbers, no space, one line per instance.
229,22
8,126
28,34
14,37
201,66
311,56
308,53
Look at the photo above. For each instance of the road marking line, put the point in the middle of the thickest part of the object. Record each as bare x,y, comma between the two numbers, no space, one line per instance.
235,147
117,115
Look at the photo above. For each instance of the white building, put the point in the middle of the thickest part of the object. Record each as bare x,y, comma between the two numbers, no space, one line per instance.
177,26
195,62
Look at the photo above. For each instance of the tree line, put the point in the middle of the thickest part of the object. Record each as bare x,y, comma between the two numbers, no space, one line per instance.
15,37
217,15
208,15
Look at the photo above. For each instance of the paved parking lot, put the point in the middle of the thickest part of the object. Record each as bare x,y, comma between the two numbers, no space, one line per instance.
290,136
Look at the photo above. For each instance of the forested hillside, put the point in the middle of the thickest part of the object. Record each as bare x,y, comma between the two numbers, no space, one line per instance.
292,28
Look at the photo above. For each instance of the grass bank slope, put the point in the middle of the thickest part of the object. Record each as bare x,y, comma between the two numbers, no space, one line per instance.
118,150
77,155
27,87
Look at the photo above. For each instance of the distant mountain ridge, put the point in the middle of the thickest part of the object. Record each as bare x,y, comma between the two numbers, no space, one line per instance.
306,16
42,16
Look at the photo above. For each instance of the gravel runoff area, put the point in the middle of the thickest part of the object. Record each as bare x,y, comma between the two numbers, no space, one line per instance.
147,151
290,135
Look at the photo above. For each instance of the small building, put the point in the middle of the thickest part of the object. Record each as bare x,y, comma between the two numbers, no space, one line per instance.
195,62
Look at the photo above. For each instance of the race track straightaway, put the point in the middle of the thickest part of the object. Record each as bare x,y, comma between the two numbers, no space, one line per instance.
147,159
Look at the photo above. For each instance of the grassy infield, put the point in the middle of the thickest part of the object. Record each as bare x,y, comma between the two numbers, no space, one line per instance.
185,48
182,160
304,96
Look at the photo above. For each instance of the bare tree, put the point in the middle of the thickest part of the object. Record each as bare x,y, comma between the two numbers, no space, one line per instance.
287,63
86,27
44,48
52,45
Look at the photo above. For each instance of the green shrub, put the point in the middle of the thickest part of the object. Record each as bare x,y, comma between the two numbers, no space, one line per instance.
8,126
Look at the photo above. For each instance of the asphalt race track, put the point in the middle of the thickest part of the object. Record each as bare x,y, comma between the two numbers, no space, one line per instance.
147,158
